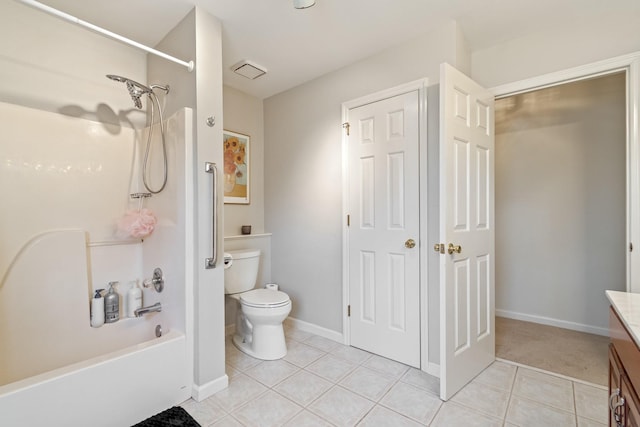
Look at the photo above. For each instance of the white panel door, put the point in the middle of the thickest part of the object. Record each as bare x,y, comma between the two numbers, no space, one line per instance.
384,274
467,279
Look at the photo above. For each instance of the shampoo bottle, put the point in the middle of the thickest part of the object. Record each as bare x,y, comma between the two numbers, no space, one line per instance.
112,305
134,299
97,309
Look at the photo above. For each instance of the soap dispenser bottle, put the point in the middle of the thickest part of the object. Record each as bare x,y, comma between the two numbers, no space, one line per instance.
97,309
112,305
134,299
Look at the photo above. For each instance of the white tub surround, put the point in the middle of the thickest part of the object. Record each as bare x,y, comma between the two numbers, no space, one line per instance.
69,180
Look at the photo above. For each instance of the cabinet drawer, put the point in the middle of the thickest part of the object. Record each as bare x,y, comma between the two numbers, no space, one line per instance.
632,406
625,347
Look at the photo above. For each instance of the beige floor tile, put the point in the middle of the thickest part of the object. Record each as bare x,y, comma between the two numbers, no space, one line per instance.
527,413
341,407
586,422
308,419
296,334
386,366
206,412
231,371
228,421
452,414
271,372
483,398
422,380
544,388
380,416
498,375
591,402
303,387
268,410
370,384
412,402
306,378
241,390
321,343
351,354
301,354
238,359
331,368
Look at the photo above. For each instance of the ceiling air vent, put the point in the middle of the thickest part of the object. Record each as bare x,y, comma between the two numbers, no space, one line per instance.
248,69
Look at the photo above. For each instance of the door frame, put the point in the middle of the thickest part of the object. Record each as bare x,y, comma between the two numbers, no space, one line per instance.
420,86
631,64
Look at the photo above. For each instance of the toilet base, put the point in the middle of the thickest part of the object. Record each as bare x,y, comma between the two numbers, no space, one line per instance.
265,343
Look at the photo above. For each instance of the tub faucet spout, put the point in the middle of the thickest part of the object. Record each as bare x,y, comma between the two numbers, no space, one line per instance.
144,310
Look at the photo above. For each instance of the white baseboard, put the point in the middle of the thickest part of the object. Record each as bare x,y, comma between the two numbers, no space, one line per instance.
201,392
315,329
553,322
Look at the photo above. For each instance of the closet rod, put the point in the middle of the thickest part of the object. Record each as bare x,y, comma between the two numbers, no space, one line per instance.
74,20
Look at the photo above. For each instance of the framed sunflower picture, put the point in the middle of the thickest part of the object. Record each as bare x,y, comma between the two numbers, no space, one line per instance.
236,167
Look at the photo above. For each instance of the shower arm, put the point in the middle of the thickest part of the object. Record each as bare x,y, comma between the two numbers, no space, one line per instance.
164,88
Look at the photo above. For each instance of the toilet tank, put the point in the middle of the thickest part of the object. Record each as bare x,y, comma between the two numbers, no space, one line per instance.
241,272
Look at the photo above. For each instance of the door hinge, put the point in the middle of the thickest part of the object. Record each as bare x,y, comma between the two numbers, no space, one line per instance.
348,220
346,126
349,310
630,247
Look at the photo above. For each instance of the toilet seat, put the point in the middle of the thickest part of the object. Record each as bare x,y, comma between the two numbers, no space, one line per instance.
266,298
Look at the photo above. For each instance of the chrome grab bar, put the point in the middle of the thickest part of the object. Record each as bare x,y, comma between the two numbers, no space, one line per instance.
211,262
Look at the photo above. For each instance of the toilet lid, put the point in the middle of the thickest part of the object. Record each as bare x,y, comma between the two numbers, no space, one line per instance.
264,298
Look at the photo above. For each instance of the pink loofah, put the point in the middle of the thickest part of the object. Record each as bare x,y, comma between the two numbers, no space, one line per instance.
137,223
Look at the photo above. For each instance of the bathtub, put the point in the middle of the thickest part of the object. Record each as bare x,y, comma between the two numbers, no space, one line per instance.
113,390
56,370
71,176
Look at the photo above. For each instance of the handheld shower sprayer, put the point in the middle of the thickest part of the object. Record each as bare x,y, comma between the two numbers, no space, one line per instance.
136,91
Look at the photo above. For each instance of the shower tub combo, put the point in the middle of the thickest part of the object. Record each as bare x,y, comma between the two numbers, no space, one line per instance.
69,180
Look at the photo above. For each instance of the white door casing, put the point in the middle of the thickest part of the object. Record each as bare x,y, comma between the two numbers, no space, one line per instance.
631,64
384,208
467,278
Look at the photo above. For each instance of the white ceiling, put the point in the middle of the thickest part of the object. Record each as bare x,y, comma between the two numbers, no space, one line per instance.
296,46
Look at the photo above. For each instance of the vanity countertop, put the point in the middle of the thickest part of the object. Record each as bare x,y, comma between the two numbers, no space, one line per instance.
627,305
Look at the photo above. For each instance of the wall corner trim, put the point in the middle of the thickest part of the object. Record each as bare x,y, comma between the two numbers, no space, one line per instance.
201,392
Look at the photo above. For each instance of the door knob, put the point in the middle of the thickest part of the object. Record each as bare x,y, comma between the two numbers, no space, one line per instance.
454,248
410,243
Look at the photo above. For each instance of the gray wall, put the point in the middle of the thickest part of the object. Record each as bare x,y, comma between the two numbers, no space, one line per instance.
49,64
303,170
560,202
556,48
303,141
243,113
198,37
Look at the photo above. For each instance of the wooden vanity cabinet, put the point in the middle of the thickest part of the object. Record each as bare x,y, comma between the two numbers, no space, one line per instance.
624,376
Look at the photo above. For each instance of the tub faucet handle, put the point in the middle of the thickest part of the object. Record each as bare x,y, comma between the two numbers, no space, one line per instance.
157,281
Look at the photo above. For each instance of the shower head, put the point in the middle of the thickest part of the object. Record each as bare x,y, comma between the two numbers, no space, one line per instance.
136,90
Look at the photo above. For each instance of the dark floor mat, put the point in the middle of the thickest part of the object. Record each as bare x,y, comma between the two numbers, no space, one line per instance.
172,417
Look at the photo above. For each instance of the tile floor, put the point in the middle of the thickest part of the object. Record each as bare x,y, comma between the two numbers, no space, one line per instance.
323,383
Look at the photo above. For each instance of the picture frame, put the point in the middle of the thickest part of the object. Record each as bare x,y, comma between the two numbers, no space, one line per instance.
236,171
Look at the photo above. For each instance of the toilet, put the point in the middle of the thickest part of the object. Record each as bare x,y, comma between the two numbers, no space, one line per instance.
260,313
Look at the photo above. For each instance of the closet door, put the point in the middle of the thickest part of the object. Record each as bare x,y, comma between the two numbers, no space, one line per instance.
383,235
